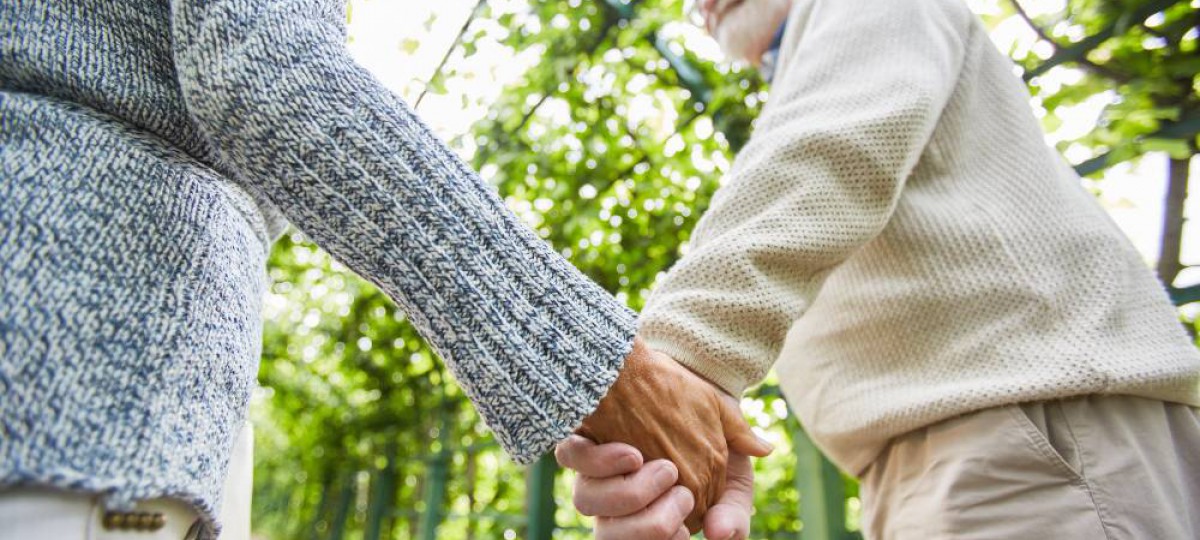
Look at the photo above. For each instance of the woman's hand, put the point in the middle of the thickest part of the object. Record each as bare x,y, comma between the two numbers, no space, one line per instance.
631,500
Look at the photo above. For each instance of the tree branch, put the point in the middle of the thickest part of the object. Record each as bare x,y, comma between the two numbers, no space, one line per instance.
1041,32
602,36
1078,51
1083,60
1186,127
1185,295
437,72
1172,225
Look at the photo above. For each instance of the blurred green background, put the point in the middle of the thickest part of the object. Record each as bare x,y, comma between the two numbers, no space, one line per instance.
607,125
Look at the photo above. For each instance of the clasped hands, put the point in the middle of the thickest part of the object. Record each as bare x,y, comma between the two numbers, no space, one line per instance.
661,425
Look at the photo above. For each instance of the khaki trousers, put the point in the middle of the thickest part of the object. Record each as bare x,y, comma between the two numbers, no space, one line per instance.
1103,467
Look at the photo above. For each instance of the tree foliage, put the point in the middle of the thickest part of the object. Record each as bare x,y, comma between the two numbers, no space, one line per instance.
1141,53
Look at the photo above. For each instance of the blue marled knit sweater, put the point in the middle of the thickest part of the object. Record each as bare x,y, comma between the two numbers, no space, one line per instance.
149,153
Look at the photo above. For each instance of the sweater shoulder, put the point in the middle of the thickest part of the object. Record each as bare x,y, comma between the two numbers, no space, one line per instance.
806,13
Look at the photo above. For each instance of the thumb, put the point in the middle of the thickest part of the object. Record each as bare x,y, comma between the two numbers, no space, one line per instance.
729,519
738,435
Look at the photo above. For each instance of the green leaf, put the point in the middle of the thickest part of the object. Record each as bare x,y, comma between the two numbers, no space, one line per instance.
409,45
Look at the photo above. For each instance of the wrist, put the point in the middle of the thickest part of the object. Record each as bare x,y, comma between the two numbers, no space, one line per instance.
729,380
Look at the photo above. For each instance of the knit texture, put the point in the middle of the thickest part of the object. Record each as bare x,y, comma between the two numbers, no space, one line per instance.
149,153
898,235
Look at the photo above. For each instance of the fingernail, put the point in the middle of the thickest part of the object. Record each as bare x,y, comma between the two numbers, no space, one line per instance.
629,462
684,500
666,474
770,448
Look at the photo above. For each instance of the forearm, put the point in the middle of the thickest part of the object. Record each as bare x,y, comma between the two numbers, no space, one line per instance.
725,309
534,343
860,88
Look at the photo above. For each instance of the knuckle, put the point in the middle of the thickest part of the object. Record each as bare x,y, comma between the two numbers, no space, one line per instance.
628,503
661,528
642,495
583,504
565,453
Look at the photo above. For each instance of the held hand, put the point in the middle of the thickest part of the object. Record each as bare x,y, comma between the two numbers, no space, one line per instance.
635,501
729,519
667,412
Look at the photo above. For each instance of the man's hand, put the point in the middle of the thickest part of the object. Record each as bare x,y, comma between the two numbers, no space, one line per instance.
635,501
667,412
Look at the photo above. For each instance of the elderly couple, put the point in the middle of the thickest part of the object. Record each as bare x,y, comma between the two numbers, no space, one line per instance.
953,318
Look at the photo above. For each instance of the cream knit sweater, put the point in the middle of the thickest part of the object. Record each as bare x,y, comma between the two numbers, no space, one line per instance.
898,235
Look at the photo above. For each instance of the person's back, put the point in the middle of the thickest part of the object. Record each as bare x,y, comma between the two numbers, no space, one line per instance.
998,279
901,221
132,273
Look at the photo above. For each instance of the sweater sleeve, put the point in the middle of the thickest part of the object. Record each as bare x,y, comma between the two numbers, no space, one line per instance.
533,342
860,88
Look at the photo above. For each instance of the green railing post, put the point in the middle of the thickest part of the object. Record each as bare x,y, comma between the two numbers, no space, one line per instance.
337,525
383,489
333,488
435,494
540,507
822,497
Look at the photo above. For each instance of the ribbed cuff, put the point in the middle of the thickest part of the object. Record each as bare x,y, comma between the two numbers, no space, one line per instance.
557,411
719,374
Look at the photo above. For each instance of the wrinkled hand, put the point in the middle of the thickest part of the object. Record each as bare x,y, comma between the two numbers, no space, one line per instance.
667,412
635,501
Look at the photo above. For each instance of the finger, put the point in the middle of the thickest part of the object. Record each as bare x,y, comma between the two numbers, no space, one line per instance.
681,534
729,519
738,435
597,460
661,520
624,495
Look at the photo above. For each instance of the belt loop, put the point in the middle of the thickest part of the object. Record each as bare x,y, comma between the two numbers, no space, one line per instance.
133,521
